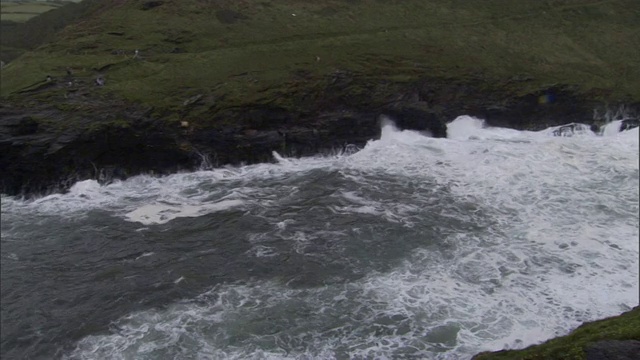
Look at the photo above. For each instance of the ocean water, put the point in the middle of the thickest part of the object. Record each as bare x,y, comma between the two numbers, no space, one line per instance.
411,247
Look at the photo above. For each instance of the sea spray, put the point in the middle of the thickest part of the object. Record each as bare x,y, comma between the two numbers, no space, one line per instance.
411,247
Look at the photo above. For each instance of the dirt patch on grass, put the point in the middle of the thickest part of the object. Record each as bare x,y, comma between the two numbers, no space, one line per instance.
227,16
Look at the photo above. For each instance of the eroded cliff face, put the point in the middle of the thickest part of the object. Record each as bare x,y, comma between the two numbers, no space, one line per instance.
45,146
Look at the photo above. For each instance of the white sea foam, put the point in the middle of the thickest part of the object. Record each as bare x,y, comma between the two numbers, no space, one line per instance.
157,200
163,213
560,247
612,128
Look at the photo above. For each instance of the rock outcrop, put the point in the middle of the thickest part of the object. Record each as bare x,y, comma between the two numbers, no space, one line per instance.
613,350
46,147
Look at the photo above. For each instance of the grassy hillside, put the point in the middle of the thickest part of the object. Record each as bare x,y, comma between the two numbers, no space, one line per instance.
267,51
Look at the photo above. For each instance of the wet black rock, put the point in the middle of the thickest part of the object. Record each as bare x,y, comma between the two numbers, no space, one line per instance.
538,111
44,148
413,117
629,124
147,5
226,16
23,126
613,350
37,158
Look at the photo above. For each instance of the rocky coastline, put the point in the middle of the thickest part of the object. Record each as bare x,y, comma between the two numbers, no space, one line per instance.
45,147
107,90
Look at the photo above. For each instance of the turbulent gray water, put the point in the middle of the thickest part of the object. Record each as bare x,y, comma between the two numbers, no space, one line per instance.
412,247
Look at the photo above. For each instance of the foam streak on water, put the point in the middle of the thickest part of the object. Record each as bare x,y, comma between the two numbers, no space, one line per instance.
539,233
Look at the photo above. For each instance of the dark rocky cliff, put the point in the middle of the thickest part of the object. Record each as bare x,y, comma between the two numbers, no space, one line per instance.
44,148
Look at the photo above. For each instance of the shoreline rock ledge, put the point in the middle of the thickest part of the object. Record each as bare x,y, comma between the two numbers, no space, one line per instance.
45,147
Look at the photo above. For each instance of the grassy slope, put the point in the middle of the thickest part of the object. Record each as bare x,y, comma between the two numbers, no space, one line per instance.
592,45
571,347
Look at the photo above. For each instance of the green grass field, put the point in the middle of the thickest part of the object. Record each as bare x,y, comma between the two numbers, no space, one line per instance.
254,51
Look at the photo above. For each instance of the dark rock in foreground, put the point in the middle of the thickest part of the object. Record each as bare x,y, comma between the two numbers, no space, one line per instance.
613,350
45,149
629,124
